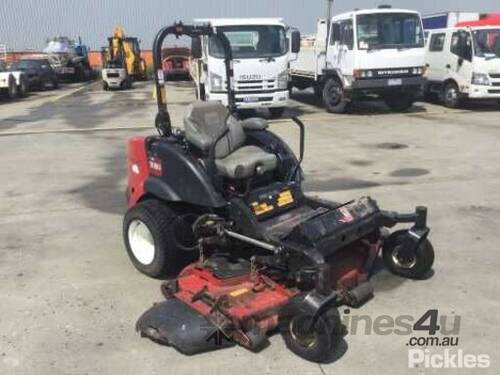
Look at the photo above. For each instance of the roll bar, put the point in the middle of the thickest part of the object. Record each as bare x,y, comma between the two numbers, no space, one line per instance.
162,121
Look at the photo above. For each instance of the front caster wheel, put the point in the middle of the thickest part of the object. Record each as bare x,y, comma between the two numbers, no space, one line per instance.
150,230
400,262
316,343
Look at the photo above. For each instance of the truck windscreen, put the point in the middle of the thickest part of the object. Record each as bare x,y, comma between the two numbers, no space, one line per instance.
252,41
389,30
487,43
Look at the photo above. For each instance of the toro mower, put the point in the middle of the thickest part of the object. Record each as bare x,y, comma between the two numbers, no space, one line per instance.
222,200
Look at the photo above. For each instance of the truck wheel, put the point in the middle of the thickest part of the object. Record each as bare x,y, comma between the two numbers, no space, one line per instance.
333,96
12,90
277,112
316,343
55,83
451,95
105,86
413,266
399,103
149,232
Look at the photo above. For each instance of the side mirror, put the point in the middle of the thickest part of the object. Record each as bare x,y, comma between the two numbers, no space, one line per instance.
196,52
295,41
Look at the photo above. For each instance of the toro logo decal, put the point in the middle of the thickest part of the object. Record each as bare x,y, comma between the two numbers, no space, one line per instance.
154,165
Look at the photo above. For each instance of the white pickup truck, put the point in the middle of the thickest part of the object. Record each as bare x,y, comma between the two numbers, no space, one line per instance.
364,53
261,53
13,83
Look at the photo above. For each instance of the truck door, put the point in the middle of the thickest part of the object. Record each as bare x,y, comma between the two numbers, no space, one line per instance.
459,64
340,50
436,57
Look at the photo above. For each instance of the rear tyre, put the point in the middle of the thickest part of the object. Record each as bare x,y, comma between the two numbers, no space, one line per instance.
451,95
277,112
333,96
399,103
13,91
149,232
316,344
23,86
414,266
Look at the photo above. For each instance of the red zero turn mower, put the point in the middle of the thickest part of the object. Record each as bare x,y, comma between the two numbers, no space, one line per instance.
223,199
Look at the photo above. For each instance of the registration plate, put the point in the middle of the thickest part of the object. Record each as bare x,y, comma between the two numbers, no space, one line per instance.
250,99
395,82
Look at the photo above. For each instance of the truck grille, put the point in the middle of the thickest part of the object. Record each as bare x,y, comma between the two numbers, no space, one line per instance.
495,75
256,85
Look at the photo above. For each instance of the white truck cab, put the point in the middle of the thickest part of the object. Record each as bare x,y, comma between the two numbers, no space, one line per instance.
463,62
363,53
261,54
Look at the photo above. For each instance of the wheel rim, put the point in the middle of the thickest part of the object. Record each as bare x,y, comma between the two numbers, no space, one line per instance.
403,261
297,327
141,242
334,95
451,94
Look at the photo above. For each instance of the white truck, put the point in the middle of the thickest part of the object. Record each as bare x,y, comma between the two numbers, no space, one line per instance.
14,83
262,49
463,62
364,53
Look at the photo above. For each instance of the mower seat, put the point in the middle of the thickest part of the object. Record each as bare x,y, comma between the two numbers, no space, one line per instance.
205,122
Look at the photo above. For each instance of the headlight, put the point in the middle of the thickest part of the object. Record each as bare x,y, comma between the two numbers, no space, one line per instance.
216,82
283,80
360,74
480,79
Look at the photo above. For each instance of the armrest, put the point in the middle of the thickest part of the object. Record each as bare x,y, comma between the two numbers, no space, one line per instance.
255,123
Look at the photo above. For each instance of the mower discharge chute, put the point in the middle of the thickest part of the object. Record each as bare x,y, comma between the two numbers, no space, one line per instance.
223,201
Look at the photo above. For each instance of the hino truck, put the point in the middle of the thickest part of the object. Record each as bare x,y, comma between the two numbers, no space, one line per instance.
262,49
362,54
463,61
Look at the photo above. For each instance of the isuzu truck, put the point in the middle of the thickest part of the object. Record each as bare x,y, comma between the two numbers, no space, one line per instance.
363,54
262,49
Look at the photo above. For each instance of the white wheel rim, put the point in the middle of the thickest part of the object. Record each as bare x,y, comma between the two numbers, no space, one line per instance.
141,242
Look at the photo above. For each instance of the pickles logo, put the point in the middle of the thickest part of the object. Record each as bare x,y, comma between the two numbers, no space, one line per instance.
446,359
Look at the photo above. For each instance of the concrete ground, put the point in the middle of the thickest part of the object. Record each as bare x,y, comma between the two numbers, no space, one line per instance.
70,297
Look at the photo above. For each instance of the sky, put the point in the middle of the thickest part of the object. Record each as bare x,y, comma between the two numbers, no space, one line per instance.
26,24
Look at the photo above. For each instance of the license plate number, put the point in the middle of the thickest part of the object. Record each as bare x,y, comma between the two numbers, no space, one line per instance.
250,99
395,82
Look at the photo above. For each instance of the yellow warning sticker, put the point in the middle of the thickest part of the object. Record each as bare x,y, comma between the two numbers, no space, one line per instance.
238,292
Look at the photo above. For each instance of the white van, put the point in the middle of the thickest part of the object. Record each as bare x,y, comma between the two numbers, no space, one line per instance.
463,62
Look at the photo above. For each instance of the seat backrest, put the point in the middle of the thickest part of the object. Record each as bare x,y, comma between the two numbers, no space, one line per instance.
205,121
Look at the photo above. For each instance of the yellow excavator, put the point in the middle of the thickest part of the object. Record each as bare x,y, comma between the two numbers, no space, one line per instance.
123,56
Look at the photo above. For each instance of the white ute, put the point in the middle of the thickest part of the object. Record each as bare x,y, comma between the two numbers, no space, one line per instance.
463,62
14,83
361,54
261,54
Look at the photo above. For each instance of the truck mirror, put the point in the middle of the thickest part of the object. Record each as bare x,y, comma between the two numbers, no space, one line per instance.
295,41
196,52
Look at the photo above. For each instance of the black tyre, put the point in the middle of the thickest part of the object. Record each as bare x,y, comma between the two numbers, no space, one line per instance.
276,112
318,91
451,95
23,86
13,91
413,266
399,103
333,96
316,343
105,86
55,83
149,232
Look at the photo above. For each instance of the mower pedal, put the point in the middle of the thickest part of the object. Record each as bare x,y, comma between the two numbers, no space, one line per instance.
174,323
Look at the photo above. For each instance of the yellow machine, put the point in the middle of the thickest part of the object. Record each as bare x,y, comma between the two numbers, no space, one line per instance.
127,51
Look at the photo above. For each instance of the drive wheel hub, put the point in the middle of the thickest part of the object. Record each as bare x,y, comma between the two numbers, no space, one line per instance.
141,242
